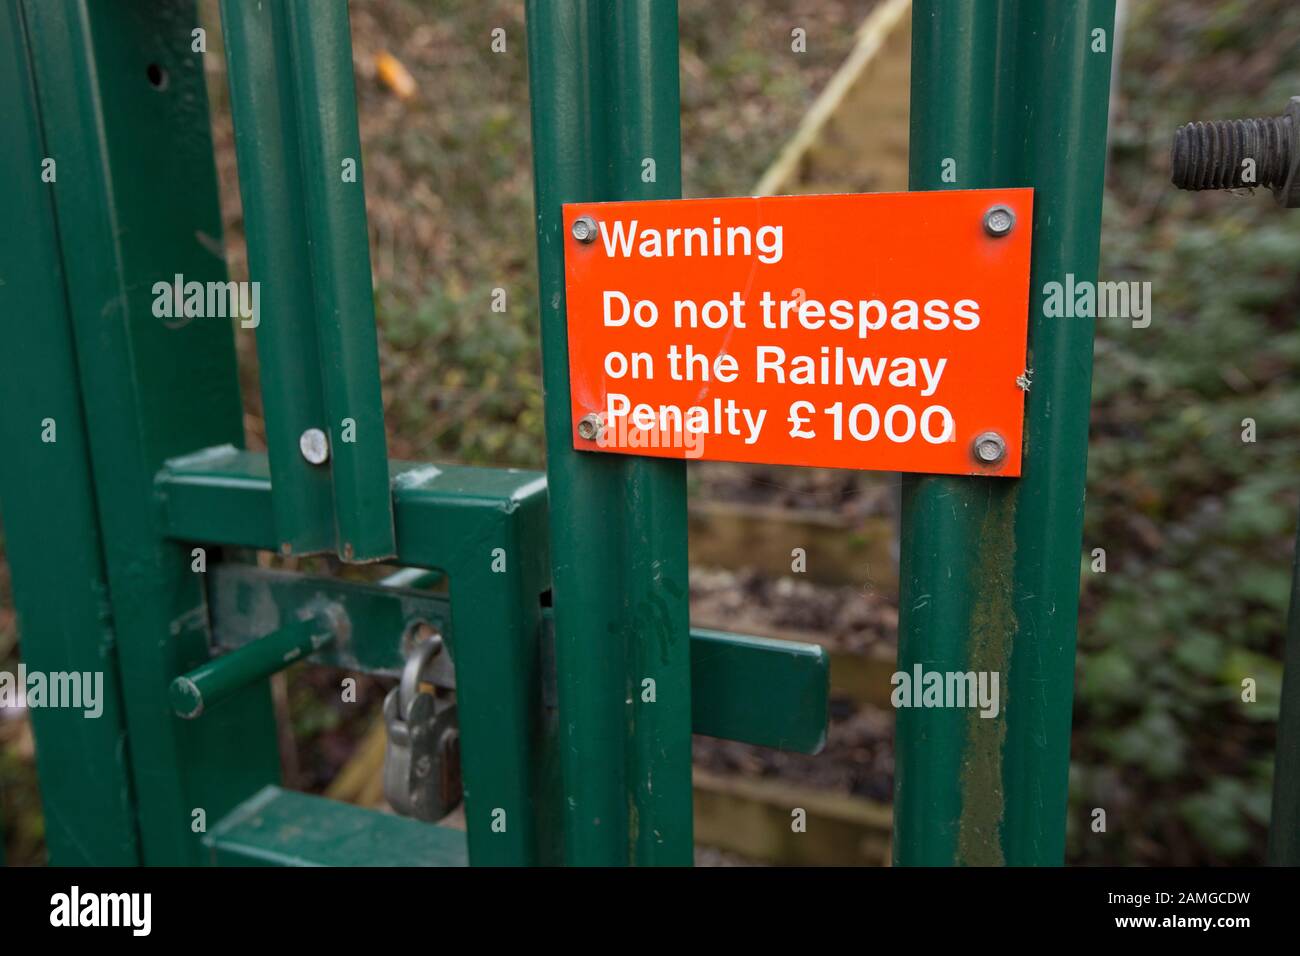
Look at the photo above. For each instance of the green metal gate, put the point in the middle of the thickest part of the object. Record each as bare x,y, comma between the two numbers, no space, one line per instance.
133,512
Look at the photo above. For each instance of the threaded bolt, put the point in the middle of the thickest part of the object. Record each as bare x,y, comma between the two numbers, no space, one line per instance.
1213,155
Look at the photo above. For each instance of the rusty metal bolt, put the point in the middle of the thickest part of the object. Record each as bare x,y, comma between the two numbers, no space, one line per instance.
1213,155
589,427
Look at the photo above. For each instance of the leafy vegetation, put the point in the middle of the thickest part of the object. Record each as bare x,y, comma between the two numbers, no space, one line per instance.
1197,523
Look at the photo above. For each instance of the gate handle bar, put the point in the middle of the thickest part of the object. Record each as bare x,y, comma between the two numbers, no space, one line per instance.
214,680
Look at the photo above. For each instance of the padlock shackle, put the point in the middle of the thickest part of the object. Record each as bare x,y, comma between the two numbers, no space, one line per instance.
417,665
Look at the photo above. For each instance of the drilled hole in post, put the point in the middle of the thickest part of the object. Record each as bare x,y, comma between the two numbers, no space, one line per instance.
157,76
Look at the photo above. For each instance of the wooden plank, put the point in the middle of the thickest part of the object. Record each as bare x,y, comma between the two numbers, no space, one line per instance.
755,818
838,550
854,138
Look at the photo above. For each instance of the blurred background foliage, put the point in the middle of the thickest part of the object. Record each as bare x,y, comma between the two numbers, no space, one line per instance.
1197,524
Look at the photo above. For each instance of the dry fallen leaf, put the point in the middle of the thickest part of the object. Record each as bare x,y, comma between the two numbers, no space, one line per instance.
394,75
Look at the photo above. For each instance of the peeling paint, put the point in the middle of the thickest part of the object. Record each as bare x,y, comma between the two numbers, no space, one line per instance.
203,456
195,618
415,477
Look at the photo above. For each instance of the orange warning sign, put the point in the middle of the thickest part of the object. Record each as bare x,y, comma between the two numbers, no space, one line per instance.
859,331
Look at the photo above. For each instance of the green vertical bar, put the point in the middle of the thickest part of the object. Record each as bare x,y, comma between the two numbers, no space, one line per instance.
136,203
339,252
955,86
604,100
270,182
498,700
492,547
1284,824
51,527
1015,94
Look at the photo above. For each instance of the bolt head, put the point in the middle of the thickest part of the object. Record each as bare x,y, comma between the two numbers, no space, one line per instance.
990,448
999,221
589,427
315,446
584,229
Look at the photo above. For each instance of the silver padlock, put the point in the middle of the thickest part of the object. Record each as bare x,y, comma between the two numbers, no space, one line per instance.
422,757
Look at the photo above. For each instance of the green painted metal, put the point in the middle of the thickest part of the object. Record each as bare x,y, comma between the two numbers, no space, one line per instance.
281,828
557,724
1284,824
493,550
270,163
757,690
486,528
444,513
604,85
52,535
1015,94
339,251
249,603
131,215
218,495
294,109
220,678
763,691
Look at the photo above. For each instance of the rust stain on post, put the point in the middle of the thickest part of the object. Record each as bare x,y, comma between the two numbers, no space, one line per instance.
992,629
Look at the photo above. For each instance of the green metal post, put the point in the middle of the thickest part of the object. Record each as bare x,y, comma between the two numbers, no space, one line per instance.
52,534
258,67
136,203
511,808
1284,824
1015,93
604,84
339,251
294,109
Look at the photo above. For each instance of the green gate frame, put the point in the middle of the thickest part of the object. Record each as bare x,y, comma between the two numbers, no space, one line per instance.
148,464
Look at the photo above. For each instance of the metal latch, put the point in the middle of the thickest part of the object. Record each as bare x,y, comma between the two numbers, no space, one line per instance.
422,757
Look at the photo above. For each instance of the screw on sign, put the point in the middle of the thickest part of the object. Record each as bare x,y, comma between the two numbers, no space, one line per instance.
999,221
990,448
859,331
584,229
